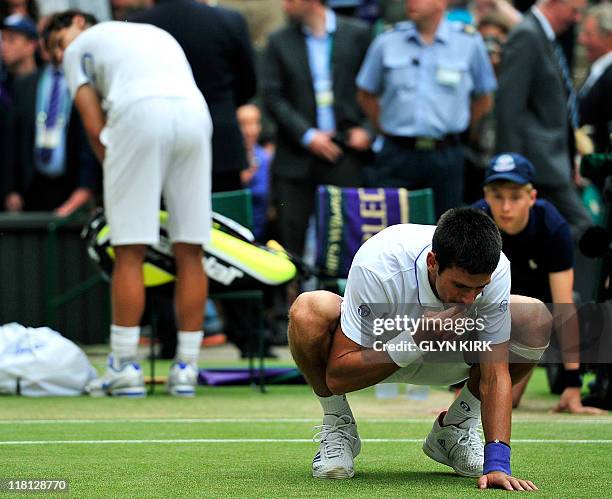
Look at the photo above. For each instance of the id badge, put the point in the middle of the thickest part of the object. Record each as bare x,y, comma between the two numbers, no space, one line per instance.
324,94
53,137
448,76
49,138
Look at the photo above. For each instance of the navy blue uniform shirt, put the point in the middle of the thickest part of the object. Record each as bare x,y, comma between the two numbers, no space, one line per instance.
544,246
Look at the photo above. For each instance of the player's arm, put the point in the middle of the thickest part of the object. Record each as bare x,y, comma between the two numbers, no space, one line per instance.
568,329
352,367
357,358
494,385
366,348
495,393
88,103
495,390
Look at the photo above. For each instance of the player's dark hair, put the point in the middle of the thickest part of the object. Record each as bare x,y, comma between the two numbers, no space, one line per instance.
62,20
468,239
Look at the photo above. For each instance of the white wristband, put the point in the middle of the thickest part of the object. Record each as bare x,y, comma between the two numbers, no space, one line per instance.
403,350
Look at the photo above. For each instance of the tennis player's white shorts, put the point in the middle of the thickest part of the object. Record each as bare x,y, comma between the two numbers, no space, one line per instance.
154,147
431,372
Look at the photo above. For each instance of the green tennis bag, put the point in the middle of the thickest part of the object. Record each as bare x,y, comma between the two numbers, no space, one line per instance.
232,259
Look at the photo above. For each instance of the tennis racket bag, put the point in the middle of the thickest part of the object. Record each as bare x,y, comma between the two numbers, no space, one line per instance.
232,259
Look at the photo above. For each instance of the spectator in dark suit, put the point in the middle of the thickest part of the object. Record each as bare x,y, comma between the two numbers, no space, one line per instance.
536,104
217,45
55,176
596,92
321,129
49,163
18,47
122,9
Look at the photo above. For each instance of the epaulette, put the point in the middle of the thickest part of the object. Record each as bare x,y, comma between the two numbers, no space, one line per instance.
469,29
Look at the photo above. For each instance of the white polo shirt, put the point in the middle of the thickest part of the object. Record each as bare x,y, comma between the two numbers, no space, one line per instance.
126,62
389,278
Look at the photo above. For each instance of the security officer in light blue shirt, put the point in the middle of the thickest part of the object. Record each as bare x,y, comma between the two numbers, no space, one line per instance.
422,85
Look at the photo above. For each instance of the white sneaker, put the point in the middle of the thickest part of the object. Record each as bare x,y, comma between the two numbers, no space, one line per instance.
340,444
125,381
460,448
182,379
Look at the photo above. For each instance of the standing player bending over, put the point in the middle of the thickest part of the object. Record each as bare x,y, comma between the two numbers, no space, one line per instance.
419,271
149,125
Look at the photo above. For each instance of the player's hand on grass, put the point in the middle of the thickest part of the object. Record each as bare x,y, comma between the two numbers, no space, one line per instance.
570,402
499,480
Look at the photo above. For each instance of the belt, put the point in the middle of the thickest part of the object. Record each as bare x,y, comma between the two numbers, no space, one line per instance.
425,143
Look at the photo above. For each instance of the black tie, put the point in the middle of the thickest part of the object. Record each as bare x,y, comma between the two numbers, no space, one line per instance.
572,108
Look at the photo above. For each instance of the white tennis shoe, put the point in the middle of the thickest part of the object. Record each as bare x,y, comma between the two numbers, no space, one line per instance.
125,381
339,445
460,448
182,379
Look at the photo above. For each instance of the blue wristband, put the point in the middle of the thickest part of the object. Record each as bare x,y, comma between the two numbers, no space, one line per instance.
496,458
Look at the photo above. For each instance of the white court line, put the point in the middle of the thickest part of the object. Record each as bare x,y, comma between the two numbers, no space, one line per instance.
275,421
269,440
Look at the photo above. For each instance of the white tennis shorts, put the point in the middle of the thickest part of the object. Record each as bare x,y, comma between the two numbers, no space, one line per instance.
155,147
423,372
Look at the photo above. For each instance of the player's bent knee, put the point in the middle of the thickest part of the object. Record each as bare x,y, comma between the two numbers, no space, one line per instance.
531,324
313,315
315,308
301,312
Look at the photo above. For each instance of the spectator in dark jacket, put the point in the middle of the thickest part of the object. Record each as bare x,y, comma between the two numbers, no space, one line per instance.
217,45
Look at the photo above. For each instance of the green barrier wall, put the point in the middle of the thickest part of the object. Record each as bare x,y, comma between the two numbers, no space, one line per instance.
28,270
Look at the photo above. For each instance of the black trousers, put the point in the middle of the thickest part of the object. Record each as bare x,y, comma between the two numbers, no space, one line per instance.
295,198
439,169
47,193
226,181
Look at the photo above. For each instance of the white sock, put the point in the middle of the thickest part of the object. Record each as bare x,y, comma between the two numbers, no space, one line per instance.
336,405
464,411
124,343
188,349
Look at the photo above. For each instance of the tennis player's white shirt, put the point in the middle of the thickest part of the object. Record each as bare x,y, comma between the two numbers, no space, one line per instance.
127,62
157,135
389,278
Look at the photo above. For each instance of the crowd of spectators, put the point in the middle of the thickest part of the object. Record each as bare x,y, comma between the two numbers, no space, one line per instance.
323,121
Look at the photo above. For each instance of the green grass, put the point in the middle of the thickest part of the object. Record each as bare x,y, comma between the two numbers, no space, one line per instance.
279,469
